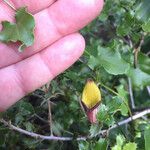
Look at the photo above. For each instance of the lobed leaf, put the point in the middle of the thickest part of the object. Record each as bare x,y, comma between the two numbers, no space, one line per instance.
21,31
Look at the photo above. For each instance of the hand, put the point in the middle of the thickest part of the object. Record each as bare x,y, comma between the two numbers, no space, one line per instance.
57,45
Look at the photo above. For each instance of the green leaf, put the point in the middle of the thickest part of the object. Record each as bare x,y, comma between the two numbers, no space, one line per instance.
19,118
123,93
123,30
101,145
95,129
2,138
130,146
147,139
93,62
116,147
126,25
25,108
142,11
112,62
29,126
120,140
138,77
114,105
124,109
144,63
102,114
105,116
84,146
21,31
146,26
31,143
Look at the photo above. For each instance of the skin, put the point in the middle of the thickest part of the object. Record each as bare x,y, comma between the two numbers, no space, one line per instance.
57,45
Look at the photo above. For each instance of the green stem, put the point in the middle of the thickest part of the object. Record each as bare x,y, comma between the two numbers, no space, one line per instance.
9,4
124,101
87,52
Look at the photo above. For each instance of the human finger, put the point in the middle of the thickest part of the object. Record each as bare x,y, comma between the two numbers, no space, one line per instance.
19,79
62,18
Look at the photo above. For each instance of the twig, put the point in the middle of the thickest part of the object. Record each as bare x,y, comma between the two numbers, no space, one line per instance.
9,4
131,93
139,115
148,89
38,136
148,53
56,138
50,117
45,121
136,51
130,41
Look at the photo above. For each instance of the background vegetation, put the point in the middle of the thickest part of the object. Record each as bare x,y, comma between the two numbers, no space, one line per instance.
117,59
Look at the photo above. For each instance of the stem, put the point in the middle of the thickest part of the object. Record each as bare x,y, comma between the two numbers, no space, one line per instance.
45,121
148,89
50,117
130,41
56,138
87,52
9,4
137,50
124,101
139,115
131,94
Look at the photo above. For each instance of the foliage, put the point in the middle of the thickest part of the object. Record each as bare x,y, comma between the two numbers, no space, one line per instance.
21,31
112,53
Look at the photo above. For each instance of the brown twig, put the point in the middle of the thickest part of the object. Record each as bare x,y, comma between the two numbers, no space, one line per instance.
130,41
56,138
137,50
50,117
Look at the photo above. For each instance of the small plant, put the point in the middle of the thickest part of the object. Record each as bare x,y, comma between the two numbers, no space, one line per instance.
117,60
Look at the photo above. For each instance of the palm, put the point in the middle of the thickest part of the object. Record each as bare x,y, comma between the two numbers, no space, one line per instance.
56,45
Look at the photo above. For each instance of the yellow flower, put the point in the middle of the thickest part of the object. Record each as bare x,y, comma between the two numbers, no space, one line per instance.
91,95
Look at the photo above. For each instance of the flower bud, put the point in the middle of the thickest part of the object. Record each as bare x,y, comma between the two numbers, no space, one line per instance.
91,98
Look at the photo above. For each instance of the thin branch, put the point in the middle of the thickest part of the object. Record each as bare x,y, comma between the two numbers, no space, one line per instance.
56,138
9,4
137,50
38,136
148,53
131,93
45,121
130,41
139,115
148,89
50,117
